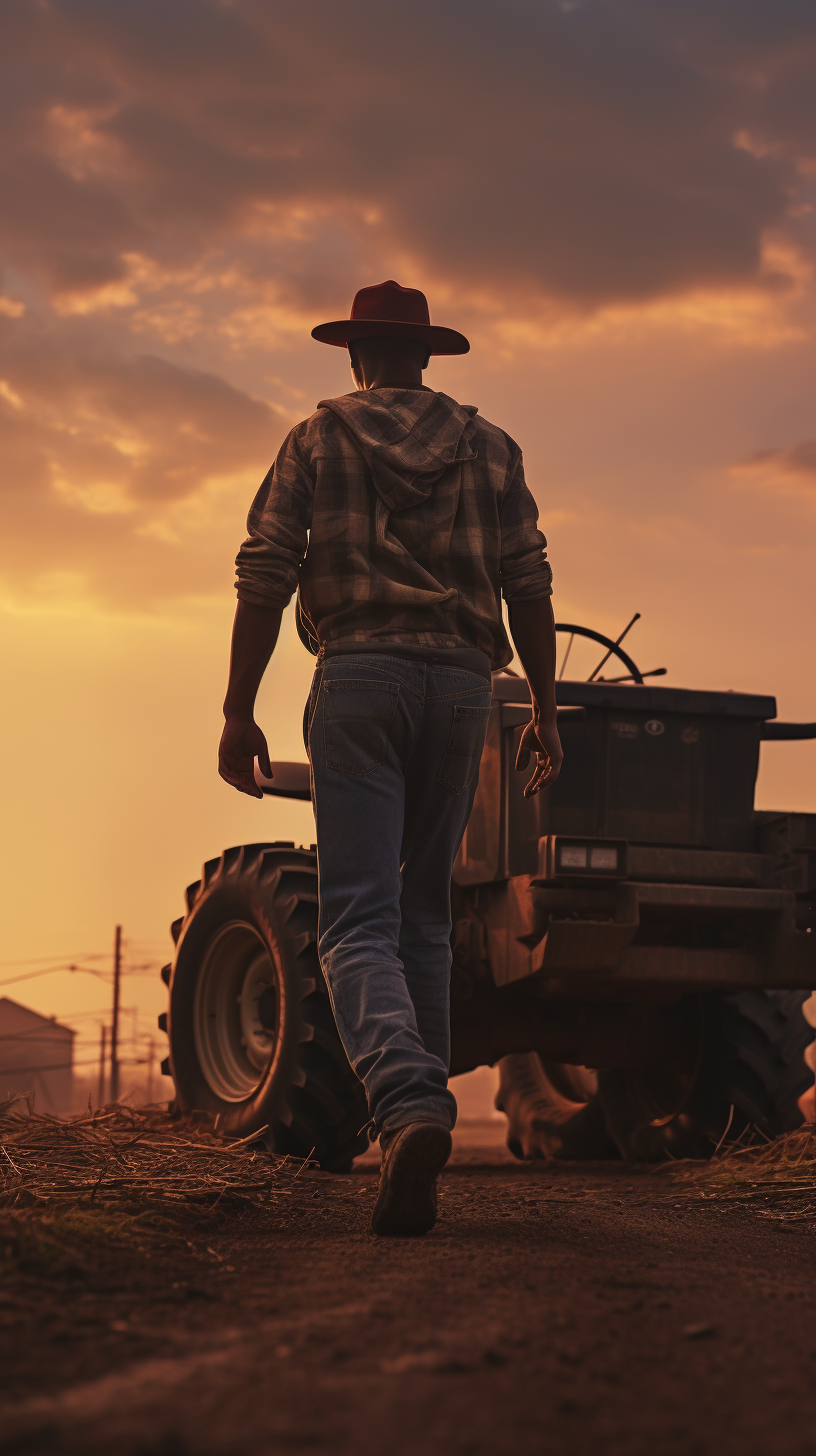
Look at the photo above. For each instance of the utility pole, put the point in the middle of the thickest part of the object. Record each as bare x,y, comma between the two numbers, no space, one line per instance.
117,976
150,1059
100,1091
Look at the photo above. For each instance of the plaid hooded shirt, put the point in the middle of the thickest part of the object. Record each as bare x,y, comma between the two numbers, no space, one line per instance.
401,517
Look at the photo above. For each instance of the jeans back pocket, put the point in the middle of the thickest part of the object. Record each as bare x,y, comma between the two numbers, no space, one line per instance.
357,716
464,750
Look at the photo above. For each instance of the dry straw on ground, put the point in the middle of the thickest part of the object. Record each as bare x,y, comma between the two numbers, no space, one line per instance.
777,1179
121,1154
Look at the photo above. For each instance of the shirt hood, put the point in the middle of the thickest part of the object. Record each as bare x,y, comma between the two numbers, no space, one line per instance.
407,437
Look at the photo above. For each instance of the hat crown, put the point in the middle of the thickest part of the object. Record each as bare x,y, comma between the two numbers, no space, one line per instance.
391,303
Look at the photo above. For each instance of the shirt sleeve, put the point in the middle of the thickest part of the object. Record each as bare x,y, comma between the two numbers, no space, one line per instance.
525,572
268,563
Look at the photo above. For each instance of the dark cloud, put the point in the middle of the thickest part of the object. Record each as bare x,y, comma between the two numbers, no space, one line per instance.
583,152
795,465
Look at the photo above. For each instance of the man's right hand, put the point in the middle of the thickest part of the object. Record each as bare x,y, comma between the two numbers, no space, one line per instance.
241,743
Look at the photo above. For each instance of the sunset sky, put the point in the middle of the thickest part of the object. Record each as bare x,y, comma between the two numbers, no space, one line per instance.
614,200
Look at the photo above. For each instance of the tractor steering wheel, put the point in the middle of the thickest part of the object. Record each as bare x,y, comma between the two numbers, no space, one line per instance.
633,672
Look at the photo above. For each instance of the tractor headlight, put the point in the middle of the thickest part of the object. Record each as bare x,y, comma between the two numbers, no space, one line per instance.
559,855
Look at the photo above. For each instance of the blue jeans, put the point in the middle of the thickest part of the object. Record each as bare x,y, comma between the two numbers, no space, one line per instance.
394,747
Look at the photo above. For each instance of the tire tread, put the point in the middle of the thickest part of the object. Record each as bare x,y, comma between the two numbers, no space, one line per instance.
324,1108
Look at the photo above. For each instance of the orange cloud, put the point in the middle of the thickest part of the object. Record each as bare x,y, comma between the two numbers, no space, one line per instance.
101,452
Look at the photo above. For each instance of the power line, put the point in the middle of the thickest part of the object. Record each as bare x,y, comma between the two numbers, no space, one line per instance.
136,947
128,970
37,1033
93,955
96,1011
49,1067
50,970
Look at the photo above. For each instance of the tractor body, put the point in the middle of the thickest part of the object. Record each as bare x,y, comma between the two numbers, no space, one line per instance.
645,869
633,947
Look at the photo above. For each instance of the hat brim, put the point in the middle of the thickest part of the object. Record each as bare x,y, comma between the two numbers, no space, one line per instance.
344,331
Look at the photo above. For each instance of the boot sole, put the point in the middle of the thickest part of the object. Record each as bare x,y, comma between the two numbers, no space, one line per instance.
406,1205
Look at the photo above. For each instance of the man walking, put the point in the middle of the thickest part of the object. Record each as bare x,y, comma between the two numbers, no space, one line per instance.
400,517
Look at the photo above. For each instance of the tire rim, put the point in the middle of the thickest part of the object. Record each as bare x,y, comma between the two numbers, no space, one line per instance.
235,1012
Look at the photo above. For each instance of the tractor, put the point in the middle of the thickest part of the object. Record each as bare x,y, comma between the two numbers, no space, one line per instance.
633,946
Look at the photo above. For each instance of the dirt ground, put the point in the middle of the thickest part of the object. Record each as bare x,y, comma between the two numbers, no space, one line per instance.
586,1308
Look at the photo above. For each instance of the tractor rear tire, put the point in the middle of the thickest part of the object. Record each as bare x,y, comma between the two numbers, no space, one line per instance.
250,1025
751,1072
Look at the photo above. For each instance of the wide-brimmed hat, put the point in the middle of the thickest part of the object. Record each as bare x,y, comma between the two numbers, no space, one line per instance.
387,309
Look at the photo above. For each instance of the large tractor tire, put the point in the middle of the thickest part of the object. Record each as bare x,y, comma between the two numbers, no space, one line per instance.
251,1030
749,1071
